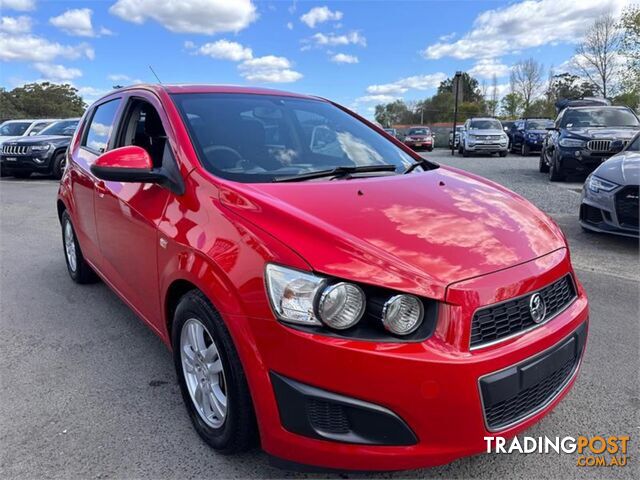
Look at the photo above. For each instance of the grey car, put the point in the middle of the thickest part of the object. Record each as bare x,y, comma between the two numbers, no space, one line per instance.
483,135
610,194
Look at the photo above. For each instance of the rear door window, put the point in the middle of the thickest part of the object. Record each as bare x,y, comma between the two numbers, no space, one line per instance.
101,125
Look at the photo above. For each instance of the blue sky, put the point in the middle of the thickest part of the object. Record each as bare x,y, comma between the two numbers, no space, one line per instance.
358,53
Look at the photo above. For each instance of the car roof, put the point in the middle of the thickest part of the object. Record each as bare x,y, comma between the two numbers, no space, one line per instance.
591,107
205,88
483,118
31,120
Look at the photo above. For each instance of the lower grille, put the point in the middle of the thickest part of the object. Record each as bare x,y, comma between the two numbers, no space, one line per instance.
590,214
599,145
511,395
14,150
327,417
627,206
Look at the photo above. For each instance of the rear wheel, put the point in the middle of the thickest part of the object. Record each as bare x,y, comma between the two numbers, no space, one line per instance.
212,380
79,269
59,164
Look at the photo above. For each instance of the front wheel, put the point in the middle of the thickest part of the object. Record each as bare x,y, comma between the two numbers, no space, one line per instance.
79,269
59,163
542,164
556,172
503,154
21,174
212,381
525,150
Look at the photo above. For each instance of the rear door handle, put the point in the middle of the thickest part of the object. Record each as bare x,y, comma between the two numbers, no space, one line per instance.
101,189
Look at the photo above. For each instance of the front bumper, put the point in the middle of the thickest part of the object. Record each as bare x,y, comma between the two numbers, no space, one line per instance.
613,212
419,144
25,163
487,147
581,160
535,145
431,386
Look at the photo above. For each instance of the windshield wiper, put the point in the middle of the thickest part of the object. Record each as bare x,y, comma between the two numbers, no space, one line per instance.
337,172
419,163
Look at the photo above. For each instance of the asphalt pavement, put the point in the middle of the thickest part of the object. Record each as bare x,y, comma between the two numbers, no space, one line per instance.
88,391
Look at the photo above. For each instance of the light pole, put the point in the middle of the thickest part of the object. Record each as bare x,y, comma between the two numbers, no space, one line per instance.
456,87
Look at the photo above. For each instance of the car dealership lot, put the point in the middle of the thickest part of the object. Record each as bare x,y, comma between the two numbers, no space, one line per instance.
88,390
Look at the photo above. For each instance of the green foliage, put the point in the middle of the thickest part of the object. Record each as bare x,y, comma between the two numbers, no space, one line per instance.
630,48
41,100
470,88
511,105
566,85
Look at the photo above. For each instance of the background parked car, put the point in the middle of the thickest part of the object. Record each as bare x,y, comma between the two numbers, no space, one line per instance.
44,153
527,135
23,128
419,138
583,137
610,194
506,126
483,135
391,131
454,143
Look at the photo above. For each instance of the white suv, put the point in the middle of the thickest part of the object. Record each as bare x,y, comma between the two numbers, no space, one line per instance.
484,135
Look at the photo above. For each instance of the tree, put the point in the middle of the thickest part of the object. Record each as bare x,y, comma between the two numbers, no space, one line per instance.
470,88
41,100
630,47
597,55
511,105
8,108
566,85
393,113
492,103
526,81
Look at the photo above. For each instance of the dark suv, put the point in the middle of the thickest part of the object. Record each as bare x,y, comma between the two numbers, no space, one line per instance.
582,137
43,153
527,135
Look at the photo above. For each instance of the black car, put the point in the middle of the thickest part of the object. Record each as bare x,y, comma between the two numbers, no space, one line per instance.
507,125
582,138
43,153
527,135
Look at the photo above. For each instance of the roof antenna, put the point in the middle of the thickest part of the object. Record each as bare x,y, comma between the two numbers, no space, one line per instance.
155,75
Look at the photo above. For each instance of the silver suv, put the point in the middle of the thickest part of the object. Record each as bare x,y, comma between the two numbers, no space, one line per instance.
484,135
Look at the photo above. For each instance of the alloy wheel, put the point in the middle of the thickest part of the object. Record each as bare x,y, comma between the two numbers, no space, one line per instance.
203,373
70,247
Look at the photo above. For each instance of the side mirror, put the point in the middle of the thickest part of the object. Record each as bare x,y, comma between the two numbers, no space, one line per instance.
616,146
127,164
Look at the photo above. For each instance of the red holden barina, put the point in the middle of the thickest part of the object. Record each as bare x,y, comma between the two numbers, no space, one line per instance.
323,288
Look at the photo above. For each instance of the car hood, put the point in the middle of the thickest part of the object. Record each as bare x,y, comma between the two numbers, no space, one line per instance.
623,169
604,132
40,139
536,131
4,138
416,233
486,132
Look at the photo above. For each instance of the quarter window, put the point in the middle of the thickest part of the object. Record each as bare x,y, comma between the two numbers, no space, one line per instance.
99,131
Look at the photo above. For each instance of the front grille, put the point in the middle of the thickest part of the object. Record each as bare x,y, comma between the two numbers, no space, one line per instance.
627,206
599,145
500,321
529,400
590,214
14,150
327,417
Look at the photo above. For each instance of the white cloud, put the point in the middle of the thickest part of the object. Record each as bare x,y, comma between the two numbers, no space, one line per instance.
57,72
225,50
344,58
75,22
189,16
332,40
376,98
91,94
121,78
488,67
38,49
21,5
290,25
21,24
319,15
269,69
527,24
447,37
416,82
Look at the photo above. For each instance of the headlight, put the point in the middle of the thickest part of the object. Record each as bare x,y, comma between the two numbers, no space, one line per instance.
292,294
532,136
402,314
572,142
597,184
40,148
341,305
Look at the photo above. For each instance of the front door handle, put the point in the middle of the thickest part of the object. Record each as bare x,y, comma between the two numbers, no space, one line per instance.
101,188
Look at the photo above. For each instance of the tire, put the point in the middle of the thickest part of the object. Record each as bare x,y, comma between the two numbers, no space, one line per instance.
78,268
525,150
542,164
58,165
556,173
465,152
502,154
21,174
235,430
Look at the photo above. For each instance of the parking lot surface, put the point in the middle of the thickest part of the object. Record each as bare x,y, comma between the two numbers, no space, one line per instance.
88,391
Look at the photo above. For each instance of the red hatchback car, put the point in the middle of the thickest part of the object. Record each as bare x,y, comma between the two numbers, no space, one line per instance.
322,287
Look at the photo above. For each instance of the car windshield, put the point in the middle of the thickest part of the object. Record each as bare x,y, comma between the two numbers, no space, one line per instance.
419,131
634,146
259,138
538,124
65,127
485,125
599,117
14,128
